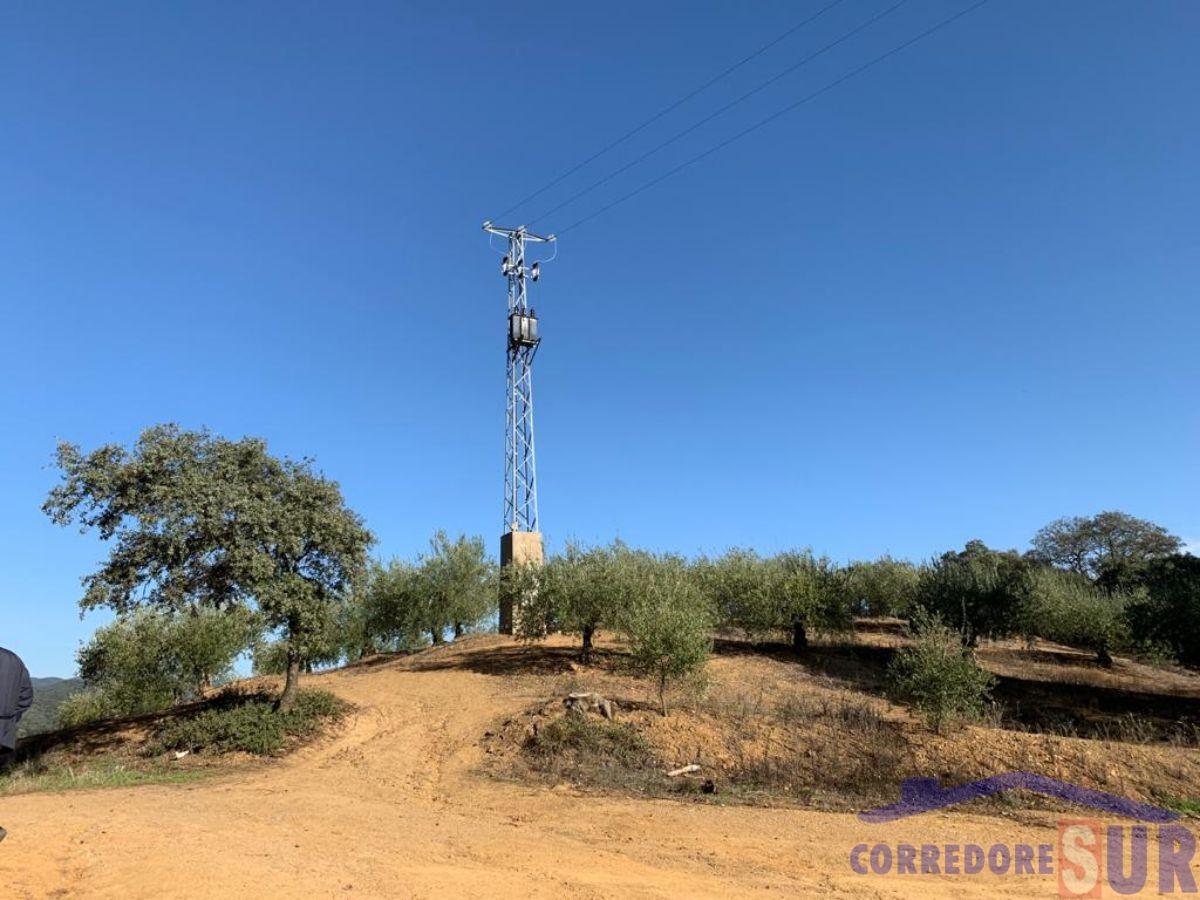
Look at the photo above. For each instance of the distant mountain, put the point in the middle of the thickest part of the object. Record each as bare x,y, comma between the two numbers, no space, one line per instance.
48,693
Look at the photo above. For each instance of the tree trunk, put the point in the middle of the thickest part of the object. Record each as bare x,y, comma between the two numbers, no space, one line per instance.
588,631
435,634
292,683
1104,657
458,630
662,692
799,637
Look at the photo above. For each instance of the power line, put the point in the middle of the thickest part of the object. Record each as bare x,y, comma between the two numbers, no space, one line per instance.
787,109
673,106
728,106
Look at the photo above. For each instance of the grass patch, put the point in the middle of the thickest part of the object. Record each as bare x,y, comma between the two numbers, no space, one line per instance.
33,777
583,740
1183,806
250,724
591,752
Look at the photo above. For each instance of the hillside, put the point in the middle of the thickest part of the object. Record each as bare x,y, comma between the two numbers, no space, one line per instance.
48,693
422,792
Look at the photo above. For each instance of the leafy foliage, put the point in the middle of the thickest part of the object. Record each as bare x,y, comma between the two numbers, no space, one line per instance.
48,695
792,592
1065,607
578,591
669,625
1168,613
1110,547
198,520
982,592
87,705
938,677
458,585
150,659
882,587
251,725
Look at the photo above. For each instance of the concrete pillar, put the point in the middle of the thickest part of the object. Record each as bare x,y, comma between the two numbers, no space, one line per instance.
517,547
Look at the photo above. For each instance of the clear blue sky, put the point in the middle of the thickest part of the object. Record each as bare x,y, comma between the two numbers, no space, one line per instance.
953,298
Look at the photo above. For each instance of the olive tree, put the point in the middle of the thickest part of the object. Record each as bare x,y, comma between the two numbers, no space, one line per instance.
668,625
806,592
736,586
580,591
149,659
791,592
199,520
938,676
460,584
979,591
1065,607
882,587
388,610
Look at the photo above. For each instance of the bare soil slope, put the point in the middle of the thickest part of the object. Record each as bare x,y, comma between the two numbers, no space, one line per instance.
394,805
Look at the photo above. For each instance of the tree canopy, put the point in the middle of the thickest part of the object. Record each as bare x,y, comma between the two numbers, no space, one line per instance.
1109,546
199,520
979,591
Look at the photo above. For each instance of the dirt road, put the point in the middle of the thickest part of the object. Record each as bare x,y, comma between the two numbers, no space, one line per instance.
391,807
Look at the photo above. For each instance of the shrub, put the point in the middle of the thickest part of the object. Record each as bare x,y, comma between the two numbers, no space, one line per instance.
148,660
88,705
669,626
251,724
938,677
589,740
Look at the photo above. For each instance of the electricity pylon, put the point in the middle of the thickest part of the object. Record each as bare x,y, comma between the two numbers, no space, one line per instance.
520,542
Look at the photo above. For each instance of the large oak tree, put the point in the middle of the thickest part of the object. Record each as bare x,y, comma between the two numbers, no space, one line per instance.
196,519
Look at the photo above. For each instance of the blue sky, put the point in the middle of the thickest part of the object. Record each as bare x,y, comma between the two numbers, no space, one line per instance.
955,297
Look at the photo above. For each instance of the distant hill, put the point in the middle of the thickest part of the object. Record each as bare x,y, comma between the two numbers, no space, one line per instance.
48,693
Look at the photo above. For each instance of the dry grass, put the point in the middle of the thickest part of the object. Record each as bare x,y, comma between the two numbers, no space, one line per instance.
769,727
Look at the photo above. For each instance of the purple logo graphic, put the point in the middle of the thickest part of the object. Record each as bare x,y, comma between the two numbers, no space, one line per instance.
921,795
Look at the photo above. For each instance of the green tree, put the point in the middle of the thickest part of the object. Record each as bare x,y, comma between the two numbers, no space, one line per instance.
806,592
792,592
981,592
882,587
393,601
199,520
1065,607
1168,612
737,586
150,659
580,591
326,645
1110,547
668,626
460,583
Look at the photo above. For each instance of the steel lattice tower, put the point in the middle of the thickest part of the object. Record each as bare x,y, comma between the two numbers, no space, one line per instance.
521,540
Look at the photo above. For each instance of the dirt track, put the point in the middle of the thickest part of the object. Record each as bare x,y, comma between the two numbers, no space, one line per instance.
391,807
